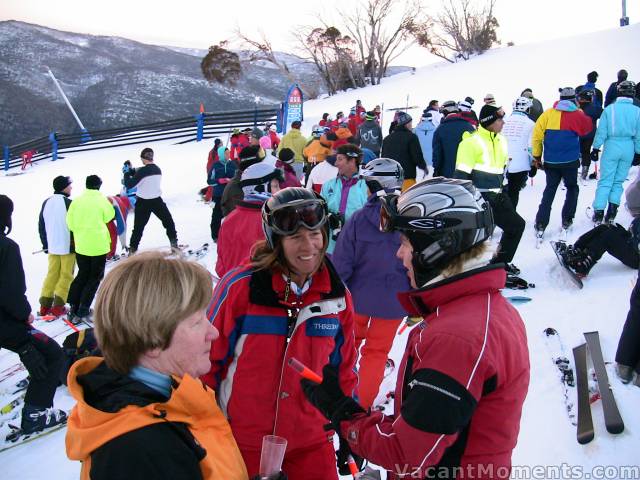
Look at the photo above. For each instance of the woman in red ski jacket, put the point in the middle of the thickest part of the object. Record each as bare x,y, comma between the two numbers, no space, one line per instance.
288,303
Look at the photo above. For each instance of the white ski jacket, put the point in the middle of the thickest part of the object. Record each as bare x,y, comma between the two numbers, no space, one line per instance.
518,130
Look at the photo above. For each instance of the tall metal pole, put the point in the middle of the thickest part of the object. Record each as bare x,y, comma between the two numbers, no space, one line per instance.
624,20
73,112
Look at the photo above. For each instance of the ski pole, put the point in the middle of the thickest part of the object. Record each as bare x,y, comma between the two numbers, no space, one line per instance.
595,164
304,371
353,467
73,327
37,251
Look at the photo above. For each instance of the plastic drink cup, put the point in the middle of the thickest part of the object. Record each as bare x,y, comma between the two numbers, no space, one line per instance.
272,455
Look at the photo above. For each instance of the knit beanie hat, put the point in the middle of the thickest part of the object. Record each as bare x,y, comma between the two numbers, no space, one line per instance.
93,182
60,183
489,114
147,154
257,133
403,118
249,156
370,115
567,93
286,155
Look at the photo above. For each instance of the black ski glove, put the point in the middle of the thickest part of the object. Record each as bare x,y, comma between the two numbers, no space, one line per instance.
33,361
533,171
329,398
342,458
595,154
636,160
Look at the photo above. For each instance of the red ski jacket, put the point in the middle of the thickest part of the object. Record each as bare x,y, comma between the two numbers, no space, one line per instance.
241,229
461,384
258,393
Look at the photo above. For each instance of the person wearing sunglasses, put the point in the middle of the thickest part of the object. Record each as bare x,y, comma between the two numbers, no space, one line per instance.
464,375
288,302
482,157
347,192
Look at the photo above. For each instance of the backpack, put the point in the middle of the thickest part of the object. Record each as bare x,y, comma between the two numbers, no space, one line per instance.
78,345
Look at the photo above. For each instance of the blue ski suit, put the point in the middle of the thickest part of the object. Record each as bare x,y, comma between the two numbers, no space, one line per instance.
619,132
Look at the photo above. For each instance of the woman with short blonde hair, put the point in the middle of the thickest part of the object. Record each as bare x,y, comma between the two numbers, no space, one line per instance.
144,404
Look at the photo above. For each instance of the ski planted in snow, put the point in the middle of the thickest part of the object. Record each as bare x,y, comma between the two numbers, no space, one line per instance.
612,417
584,432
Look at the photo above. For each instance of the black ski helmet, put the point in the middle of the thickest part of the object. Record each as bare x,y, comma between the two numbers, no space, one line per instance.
290,201
627,88
442,218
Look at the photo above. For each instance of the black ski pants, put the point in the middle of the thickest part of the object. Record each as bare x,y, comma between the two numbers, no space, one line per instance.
40,392
612,239
554,175
144,208
517,181
84,286
216,218
585,151
628,352
512,225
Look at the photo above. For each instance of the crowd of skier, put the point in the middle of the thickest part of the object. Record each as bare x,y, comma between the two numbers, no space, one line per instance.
325,246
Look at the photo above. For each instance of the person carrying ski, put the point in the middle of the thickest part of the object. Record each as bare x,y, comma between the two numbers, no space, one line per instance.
87,220
143,403
482,157
289,302
365,259
619,133
518,129
42,357
465,370
557,133
57,243
147,179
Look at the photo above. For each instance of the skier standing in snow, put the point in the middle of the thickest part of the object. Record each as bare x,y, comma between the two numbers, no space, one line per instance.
557,133
369,134
446,139
57,242
365,260
518,129
147,179
482,158
619,133
222,171
42,357
288,303
346,193
465,371
87,219
588,106
403,146
294,140
143,404
242,228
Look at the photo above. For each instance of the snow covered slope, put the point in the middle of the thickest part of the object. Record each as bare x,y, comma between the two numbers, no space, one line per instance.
546,439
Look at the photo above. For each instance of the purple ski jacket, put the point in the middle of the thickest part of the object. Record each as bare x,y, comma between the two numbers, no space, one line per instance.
365,259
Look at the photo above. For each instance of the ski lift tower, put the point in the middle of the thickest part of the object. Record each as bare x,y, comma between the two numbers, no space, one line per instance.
85,135
624,20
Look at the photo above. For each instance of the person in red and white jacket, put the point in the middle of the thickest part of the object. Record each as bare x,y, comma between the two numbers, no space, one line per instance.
287,303
465,371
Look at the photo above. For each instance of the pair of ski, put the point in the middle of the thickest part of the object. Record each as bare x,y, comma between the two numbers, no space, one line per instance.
612,418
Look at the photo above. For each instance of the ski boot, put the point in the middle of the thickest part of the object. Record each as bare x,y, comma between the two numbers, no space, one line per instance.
58,311
35,419
598,216
44,311
624,372
612,211
578,260
512,269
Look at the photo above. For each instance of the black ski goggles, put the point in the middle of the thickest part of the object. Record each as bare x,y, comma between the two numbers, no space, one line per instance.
311,214
390,220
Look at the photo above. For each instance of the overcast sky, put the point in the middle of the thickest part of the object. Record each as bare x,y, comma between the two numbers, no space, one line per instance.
201,23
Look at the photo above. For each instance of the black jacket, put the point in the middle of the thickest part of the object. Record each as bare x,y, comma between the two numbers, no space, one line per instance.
446,139
135,454
14,306
403,146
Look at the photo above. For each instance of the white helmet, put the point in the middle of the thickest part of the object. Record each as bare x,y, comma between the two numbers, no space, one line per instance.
522,104
382,174
256,179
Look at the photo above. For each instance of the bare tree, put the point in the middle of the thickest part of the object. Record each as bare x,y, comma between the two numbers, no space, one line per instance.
382,31
221,65
263,50
461,30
